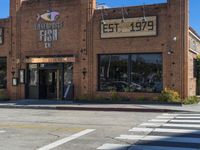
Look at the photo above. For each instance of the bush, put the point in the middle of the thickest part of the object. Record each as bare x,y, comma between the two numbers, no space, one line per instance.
169,95
191,100
4,94
114,95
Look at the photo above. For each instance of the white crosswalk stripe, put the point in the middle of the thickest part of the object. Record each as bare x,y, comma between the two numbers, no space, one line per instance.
165,130
114,146
159,138
178,131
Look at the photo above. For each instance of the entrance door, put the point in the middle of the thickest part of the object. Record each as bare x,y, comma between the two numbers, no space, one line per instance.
49,84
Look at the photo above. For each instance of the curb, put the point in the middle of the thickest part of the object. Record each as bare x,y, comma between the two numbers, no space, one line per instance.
92,108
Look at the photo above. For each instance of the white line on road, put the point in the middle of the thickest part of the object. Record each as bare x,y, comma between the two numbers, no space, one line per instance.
145,147
187,117
159,120
165,130
189,114
186,121
160,138
2,131
65,140
171,125
165,117
141,129
108,146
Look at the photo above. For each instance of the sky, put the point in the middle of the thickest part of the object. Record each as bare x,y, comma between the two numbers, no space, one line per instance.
194,8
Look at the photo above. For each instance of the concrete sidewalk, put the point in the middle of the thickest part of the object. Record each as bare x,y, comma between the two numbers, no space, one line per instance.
70,105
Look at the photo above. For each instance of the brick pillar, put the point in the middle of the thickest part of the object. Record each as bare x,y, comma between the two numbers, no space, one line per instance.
178,60
13,58
86,46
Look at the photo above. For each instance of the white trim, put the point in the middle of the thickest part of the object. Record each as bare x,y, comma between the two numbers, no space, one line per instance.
193,51
194,35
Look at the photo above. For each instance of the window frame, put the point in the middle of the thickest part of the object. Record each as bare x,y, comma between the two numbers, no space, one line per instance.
128,69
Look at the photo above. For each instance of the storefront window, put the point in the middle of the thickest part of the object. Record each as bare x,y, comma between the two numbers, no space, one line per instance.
131,73
146,73
3,73
113,73
33,74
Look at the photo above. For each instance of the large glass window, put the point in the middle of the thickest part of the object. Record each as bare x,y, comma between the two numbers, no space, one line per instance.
146,73
3,73
131,73
113,72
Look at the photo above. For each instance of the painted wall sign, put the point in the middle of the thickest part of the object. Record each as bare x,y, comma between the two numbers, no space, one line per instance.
1,36
48,27
130,27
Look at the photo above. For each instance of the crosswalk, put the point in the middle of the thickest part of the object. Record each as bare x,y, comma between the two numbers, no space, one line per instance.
169,131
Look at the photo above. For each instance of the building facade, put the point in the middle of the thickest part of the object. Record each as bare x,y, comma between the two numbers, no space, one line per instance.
60,49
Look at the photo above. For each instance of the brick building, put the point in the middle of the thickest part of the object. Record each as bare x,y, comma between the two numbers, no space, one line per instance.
68,48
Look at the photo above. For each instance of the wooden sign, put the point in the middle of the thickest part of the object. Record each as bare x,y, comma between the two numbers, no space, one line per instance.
129,27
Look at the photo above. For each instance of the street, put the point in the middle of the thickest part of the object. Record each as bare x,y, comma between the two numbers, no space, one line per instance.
29,129
23,129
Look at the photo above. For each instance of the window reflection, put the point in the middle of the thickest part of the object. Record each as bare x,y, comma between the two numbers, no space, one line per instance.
131,73
33,74
3,73
146,73
114,72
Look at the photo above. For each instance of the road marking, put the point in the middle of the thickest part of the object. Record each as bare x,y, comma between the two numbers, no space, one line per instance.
187,117
144,147
141,129
108,146
165,117
186,121
159,120
151,124
165,130
171,125
2,131
190,114
174,120
65,140
160,138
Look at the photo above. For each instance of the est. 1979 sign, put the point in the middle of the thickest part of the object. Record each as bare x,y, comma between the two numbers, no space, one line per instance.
129,27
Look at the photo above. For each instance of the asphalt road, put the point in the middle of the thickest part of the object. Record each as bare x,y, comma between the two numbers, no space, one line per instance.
22,129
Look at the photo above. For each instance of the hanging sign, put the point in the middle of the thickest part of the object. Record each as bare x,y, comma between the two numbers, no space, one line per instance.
48,27
129,27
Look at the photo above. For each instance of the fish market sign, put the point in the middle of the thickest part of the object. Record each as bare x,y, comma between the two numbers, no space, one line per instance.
48,27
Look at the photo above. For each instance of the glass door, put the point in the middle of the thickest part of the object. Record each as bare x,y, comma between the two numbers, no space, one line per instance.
49,84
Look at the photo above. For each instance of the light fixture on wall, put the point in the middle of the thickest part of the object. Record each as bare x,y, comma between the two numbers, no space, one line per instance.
143,19
84,71
170,50
101,6
123,13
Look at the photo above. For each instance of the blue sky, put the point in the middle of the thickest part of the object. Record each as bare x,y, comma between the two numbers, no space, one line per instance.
194,8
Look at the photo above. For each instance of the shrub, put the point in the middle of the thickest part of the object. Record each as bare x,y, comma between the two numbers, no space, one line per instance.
114,95
3,94
169,95
191,100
